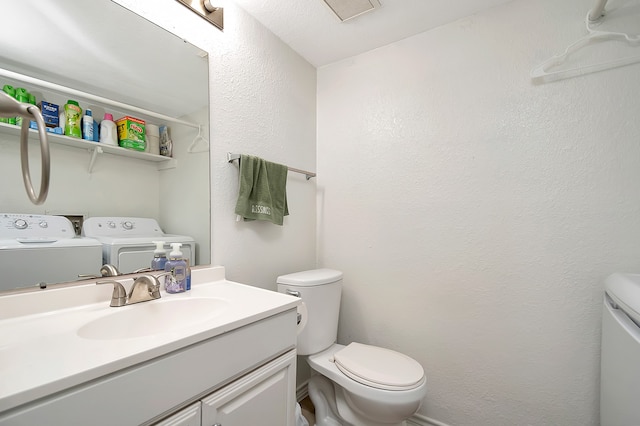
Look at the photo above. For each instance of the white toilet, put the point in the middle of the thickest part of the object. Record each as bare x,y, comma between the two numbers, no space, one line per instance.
357,384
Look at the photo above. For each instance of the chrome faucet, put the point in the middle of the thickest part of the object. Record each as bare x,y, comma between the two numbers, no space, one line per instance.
143,289
108,270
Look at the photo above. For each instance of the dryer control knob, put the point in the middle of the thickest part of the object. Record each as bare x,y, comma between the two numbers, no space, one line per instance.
20,223
111,224
127,225
44,224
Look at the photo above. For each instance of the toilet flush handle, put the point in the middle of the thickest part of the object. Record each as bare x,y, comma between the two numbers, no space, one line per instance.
299,315
293,293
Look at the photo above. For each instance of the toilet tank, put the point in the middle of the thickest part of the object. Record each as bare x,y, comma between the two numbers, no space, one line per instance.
320,290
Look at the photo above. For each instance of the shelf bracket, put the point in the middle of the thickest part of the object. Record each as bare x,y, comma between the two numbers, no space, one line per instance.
94,154
170,164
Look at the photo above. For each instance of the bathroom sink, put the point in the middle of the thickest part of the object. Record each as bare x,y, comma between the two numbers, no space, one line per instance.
151,318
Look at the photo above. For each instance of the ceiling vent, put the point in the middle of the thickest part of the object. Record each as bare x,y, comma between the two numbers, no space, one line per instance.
347,9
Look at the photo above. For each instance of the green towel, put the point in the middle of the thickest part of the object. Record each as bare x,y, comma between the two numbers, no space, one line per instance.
263,190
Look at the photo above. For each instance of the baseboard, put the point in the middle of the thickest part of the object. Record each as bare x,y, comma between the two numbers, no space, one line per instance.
420,420
302,391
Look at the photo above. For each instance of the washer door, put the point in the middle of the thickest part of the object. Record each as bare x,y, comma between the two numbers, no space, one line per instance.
380,368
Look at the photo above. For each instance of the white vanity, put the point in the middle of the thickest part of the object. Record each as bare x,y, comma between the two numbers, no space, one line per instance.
222,354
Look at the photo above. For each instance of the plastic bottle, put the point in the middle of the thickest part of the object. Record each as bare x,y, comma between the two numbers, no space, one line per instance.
9,90
73,116
96,131
159,256
87,125
177,281
108,133
188,281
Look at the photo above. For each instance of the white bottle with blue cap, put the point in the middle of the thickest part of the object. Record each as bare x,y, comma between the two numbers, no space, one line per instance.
87,125
177,281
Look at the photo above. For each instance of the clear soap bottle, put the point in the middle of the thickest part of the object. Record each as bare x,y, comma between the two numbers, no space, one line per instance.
159,256
176,282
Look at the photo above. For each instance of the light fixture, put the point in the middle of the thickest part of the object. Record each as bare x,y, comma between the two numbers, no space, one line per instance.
347,9
205,9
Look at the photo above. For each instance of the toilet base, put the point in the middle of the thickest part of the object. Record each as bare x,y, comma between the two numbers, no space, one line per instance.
323,395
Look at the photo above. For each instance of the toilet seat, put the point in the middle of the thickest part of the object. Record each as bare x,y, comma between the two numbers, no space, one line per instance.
379,368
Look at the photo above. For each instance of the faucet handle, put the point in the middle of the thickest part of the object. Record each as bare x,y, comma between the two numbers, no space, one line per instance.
119,296
108,270
150,284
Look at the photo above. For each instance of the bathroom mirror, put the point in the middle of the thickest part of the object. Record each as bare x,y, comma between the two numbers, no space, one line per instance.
103,49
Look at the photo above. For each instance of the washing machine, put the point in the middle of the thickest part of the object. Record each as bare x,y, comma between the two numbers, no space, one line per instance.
127,242
37,249
620,352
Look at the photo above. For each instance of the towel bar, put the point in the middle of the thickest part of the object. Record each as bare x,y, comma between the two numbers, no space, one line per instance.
232,157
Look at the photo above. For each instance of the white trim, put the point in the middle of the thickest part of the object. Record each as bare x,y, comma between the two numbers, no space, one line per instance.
420,420
302,391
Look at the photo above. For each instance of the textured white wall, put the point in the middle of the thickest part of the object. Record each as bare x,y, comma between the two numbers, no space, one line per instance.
263,103
475,214
262,100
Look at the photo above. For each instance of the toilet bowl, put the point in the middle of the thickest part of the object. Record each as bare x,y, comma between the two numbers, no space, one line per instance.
377,386
355,384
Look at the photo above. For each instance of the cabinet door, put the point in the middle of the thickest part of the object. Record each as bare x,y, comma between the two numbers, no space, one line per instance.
189,416
264,397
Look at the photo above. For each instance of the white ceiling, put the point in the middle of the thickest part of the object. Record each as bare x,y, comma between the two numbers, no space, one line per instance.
77,47
313,31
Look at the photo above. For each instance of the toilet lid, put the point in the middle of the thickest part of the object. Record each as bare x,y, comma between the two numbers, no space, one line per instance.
379,367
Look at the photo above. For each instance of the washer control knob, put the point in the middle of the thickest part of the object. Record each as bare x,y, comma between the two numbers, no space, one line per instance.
20,224
127,225
44,224
111,224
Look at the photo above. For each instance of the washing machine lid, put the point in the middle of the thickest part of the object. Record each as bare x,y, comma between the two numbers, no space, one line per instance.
380,368
310,278
143,240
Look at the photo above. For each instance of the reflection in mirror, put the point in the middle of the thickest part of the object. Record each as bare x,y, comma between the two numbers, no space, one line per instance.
110,61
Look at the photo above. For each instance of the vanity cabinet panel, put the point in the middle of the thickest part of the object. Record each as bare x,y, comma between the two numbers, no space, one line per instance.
264,397
143,394
189,416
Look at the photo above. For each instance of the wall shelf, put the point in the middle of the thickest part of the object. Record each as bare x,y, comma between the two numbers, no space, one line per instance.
95,148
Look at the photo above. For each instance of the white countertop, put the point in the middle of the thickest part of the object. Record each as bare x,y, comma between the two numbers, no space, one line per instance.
41,352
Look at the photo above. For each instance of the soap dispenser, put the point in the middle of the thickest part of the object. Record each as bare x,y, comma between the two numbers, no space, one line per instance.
175,282
159,256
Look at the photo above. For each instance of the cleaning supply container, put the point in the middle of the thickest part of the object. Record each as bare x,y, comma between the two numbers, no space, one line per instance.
73,118
87,125
108,132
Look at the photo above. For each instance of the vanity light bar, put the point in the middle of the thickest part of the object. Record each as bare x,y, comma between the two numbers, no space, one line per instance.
205,9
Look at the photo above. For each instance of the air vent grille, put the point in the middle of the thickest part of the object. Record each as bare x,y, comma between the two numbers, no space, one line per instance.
347,9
